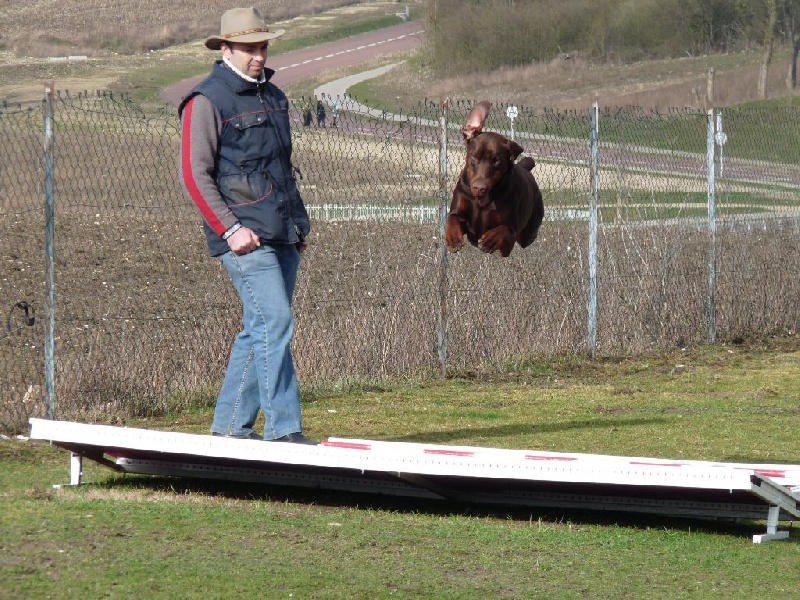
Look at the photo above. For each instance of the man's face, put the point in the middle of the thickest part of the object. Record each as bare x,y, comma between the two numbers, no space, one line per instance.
248,58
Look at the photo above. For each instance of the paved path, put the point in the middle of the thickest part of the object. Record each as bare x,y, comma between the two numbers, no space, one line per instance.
298,65
338,89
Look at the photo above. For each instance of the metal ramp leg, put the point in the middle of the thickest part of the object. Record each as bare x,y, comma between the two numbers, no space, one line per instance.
772,528
75,471
779,498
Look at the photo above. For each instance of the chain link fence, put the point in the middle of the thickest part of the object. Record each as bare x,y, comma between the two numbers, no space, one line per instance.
650,248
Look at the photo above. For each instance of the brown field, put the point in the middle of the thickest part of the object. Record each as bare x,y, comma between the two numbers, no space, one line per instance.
77,27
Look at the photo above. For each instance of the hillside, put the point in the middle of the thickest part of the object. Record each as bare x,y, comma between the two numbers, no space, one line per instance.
576,83
566,83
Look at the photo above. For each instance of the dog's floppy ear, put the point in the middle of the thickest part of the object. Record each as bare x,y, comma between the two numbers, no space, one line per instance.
515,148
475,120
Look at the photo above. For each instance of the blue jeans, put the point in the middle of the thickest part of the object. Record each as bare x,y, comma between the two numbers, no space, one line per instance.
260,371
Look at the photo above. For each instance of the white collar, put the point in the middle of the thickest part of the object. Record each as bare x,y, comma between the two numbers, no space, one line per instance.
261,78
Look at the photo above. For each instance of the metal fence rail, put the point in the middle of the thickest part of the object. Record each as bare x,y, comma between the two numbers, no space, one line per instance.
658,226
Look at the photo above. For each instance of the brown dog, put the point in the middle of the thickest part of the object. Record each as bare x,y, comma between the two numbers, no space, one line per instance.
496,201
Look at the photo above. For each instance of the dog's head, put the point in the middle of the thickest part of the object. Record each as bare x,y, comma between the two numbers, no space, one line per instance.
490,156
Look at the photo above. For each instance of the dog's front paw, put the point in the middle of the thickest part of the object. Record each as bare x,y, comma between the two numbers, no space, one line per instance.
454,245
496,240
453,235
486,245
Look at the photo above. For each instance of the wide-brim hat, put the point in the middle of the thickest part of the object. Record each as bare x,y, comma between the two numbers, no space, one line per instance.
243,26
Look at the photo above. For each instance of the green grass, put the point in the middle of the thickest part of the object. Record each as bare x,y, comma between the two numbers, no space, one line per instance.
686,131
642,204
139,536
637,204
778,103
773,121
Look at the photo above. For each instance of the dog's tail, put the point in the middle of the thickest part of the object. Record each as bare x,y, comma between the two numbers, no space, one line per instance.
527,163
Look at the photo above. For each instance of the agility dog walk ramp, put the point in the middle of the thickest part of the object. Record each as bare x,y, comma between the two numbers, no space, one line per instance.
694,489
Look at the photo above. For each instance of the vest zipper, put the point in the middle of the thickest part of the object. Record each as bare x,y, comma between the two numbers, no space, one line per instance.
284,159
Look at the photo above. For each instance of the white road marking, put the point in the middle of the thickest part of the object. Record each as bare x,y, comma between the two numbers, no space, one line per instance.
348,50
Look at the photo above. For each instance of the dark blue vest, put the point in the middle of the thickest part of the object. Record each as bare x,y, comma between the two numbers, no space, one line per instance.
253,168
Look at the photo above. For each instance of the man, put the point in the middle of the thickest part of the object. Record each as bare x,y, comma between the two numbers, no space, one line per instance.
236,167
335,111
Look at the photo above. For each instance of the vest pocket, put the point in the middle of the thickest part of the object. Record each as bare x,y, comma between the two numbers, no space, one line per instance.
245,188
246,120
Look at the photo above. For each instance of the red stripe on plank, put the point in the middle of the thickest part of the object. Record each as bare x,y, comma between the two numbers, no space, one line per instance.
768,473
348,445
449,452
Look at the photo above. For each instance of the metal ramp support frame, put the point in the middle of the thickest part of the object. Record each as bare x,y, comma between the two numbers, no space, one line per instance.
409,485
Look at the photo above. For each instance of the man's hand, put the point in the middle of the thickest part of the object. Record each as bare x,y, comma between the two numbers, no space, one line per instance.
243,240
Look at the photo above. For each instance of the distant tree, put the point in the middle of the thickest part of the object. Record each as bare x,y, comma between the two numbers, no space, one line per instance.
769,43
791,28
715,25
467,36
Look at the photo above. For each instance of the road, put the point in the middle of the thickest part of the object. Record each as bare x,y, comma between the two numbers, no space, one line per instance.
298,65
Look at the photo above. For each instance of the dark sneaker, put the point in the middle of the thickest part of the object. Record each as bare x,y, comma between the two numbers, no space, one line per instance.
248,436
295,438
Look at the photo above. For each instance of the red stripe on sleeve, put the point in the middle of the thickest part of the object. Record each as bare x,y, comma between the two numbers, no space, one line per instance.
188,173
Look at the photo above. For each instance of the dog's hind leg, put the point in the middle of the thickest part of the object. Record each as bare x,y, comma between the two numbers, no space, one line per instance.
528,234
527,163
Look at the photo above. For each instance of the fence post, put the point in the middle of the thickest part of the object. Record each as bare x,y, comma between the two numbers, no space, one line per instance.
712,229
593,178
441,326
49,245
